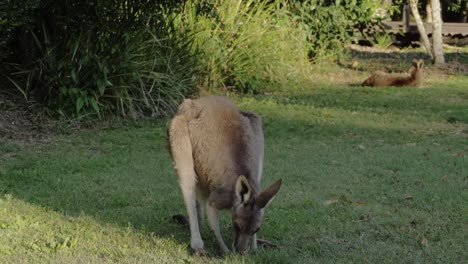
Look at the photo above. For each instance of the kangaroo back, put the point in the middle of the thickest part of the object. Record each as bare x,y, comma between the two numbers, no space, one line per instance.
224,144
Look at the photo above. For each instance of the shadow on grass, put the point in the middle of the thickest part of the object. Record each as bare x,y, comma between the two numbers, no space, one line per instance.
401,61
123,177
461,57
431,103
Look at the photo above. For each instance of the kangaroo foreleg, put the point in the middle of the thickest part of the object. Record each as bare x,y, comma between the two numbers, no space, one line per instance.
212,214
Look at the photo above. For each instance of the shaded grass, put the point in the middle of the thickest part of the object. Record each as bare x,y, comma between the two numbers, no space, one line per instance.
370,175
431,103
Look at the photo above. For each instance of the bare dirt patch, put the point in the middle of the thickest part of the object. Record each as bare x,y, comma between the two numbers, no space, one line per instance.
17,124
23,121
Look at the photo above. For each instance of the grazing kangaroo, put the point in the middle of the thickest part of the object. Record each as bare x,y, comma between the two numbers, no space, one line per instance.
414,78
217,151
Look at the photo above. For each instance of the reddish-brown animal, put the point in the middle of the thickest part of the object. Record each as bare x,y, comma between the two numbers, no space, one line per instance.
413,78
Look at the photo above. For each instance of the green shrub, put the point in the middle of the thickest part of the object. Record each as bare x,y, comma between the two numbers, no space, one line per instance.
332,25
95,61
13,15
250,46
135,75
383,40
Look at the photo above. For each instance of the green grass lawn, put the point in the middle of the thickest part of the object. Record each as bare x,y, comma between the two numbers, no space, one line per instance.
369,176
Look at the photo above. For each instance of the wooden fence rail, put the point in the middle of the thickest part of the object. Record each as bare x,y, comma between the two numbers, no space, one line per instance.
406,26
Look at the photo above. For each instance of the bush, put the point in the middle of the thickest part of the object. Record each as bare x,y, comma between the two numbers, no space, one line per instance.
96,60
250,46
14,14
137,75
332,25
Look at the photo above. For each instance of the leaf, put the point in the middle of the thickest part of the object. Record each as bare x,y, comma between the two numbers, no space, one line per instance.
61,113
95,105
73,75
79,104
424,242
330,202
359,203
101,86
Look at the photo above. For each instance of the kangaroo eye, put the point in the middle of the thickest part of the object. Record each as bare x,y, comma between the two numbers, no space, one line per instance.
236,227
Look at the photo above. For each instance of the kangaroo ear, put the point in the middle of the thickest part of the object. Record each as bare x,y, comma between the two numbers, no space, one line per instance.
243,190
418,63
268,194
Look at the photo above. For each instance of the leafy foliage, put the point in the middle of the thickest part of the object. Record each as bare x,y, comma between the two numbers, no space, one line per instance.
95,58
383,40
332,25
135,75
14,14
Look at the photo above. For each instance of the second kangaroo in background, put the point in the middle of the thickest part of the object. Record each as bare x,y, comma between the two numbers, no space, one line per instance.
413,78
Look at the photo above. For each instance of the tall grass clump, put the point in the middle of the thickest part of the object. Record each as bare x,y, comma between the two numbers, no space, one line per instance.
140,74
103,58
246,46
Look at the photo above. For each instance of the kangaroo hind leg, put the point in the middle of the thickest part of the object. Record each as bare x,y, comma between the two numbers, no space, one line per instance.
181,150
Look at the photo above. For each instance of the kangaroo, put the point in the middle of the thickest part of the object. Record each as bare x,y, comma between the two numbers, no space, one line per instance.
414,78
217,152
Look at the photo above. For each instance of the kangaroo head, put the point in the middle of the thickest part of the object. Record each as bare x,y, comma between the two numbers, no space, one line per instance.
248,210
418,64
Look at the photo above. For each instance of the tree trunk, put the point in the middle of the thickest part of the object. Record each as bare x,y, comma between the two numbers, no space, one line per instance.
421,28
428,12
437,43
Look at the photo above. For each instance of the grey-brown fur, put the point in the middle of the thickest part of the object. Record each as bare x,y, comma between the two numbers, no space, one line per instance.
413,78
218,155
